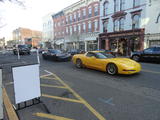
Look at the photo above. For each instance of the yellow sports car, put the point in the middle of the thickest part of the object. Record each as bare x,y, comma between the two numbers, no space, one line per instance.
99,60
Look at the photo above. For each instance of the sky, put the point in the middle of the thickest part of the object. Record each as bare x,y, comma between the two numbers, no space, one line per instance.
13,16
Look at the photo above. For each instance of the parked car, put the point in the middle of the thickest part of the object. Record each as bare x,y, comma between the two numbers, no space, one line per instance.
74,51
149,54
23,49
55,55
99,60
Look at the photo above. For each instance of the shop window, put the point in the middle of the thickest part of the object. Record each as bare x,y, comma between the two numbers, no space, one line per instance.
135,21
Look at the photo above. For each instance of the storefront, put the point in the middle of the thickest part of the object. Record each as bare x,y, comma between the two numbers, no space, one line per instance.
123,42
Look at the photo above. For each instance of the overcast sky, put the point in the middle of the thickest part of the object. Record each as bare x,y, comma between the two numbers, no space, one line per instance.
31,17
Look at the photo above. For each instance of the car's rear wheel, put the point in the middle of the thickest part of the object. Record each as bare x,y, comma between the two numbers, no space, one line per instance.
112,69
135,57
79,63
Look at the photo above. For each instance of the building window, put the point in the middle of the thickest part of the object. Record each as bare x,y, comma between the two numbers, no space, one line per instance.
135,21
116,25
66,19
96,10
66,30
75,28
105,6
79,28
95,25
89,27
89,12
121,24
122,4
70,30
70,18
79,16
84,13
74,17
116,3
136,3
84,27
105,26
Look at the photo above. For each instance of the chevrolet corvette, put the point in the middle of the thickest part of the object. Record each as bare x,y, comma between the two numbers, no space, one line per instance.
99,60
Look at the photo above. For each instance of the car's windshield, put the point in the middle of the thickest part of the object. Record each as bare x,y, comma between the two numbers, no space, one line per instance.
55,51
22,46
103,55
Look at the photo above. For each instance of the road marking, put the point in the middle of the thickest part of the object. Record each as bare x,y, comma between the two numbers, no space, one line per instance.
49,78
62,98
48,72
9,108
53,117
42,76
150,71
54,86
98,115
109,101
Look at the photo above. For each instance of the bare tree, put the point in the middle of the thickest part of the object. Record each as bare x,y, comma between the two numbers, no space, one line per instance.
19,2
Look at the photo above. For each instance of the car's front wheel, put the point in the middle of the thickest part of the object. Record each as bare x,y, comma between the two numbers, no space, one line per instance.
135,57
79,63
112,69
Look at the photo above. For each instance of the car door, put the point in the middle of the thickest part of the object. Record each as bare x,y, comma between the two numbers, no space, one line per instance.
90,60
148,54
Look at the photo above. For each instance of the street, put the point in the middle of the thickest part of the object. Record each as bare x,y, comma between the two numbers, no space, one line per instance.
84,94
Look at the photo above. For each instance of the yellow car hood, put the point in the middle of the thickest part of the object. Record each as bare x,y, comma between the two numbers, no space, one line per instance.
124,61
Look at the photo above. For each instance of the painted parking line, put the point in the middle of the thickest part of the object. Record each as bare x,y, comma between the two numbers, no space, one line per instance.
49,78
155,72
97,114
49,116
8,106
62,98
53,86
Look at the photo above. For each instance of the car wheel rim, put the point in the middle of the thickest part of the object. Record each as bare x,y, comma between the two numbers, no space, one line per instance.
78,63
111,69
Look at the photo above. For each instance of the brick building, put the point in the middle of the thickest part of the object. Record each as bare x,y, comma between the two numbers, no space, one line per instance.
27,36
129,25
77,26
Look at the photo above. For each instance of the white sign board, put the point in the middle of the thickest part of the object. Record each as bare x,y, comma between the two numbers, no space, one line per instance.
26,83
1,100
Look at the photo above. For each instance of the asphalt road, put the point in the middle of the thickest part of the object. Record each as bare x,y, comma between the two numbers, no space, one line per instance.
100,96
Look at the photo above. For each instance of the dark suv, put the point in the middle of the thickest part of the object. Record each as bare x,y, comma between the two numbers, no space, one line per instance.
23,49
149,54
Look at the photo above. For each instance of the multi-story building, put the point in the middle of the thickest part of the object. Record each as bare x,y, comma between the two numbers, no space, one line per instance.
82,25
152,23
47,33
122,25
27,36
59,23
77,26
